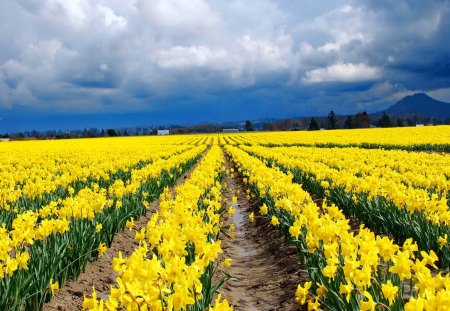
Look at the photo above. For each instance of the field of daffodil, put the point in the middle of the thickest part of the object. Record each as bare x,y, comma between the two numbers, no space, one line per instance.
435,138
348,269
49,232
388,190
367,211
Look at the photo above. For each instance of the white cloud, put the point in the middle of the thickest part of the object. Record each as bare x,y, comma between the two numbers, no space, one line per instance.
442,94
180,57
104,67
242,62
341,72
14,69
5,102
270,55
22,94
110,19
178,18
44,51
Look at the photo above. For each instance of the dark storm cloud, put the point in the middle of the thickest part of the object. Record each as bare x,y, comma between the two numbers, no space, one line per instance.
220,59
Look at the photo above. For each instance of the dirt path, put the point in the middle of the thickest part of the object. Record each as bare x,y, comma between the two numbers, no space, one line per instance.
265,271
100,273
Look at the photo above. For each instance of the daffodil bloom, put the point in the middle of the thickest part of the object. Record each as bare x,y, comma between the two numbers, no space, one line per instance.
402,265
274,221
415,304
313,304
11,266
231,211
53,286
90,303
321,290
368,304
389,291
346,289
130,223
251,217
227,262
442,241
221,305
22,260
263,209
302,293
102,249
431,258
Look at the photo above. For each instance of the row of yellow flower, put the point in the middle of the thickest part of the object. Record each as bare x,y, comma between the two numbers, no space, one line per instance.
406,136
56,217
416,181
85,221
374,186
31,169
151,169
173,266
349,270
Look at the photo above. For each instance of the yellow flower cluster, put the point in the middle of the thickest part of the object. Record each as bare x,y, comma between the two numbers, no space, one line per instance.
31,169
56,217
404,136
176,248
418,181
355,264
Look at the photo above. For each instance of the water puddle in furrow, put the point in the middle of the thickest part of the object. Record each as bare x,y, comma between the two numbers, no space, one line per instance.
239,218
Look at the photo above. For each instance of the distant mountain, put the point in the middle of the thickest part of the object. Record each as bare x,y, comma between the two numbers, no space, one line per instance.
421,104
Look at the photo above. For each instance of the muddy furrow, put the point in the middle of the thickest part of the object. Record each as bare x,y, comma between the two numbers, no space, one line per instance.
265,271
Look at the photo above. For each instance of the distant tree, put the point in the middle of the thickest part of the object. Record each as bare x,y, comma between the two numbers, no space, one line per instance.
94,132
180,131
313,125
385,121
269,126
248,126
285,124
35,133
410,122
348,123
331,120
111,132
400,122
361,120
85,133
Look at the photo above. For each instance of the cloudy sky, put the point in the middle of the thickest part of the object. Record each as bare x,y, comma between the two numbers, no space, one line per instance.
203,60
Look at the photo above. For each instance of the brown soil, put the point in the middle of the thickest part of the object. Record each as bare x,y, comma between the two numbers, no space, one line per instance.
265,271
99,273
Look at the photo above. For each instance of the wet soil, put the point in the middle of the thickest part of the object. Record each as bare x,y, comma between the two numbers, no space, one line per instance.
265,271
